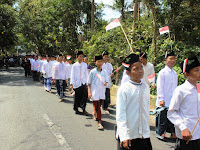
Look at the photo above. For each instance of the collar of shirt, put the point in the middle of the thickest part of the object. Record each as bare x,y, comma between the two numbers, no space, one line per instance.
135,82
168,69
189,85
98,70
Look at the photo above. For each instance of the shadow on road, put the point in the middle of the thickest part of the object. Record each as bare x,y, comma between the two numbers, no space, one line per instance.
14,76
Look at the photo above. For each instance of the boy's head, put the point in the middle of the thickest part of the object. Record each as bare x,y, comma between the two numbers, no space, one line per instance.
143,57
105,56
60,57
170,58
98,61
191,68
134,67
48,58
85,60
80,56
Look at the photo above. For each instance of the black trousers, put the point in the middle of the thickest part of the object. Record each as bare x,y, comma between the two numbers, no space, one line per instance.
163,124
138,144
106,102
192,145
60,86
80,98
27,72
35,76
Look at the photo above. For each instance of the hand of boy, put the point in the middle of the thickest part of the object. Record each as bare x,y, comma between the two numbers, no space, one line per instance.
162,103
125,144
186,135
104,83
89,95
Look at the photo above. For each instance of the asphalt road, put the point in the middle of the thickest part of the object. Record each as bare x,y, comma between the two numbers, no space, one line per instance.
32,119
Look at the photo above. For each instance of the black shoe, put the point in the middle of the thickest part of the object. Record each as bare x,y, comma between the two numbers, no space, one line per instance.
78,112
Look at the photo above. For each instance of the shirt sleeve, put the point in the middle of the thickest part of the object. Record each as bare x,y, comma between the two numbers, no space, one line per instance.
89,80
153,72
160,86
173,112
121,117
66,72
43,69
72,75
54,72
107,78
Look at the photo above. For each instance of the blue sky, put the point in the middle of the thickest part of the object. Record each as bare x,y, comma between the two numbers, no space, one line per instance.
109,13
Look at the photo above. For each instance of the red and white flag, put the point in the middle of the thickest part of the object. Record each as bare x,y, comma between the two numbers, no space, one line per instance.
198,90
115,23
151,78
68,56
164,30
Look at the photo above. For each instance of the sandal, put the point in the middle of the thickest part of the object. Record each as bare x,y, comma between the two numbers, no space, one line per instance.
100,127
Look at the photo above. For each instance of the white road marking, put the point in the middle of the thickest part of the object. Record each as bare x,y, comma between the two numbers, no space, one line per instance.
55,131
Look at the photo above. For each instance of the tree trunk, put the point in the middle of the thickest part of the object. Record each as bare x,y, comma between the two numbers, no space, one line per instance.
134,19
155,32
92,17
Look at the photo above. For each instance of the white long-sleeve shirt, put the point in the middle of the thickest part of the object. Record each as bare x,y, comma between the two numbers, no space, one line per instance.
132,111
79,74
47,68
69,68
148,71
166,84
60,71
35,65
109,68
125,77
97,79
184,110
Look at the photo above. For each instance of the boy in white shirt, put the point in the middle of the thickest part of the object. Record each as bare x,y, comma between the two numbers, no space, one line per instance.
132,108
97,81
167,81
149,73
60,77
184,108
47,73
79,75
109,68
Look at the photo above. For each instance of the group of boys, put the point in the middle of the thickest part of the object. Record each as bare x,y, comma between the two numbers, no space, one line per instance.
78,77
177,107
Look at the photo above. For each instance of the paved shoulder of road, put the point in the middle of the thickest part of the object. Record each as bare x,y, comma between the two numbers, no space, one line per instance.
32,119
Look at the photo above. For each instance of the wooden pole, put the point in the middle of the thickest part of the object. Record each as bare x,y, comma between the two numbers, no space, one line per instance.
170,40
127,39
194,128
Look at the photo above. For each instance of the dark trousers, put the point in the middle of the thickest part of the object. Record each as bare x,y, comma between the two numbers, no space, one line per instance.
27,72
80,98
106,102
138,144
60,86
35,76
97,109
163,124
192,145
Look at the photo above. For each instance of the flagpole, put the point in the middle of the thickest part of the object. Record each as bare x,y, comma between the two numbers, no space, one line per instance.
127,39
170,40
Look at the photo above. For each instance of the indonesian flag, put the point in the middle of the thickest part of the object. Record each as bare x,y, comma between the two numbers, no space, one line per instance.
164,30
151,78
68,56
115,23
198,90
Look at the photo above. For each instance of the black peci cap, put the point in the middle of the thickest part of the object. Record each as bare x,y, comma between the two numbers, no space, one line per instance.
98,58
189,64
129,60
